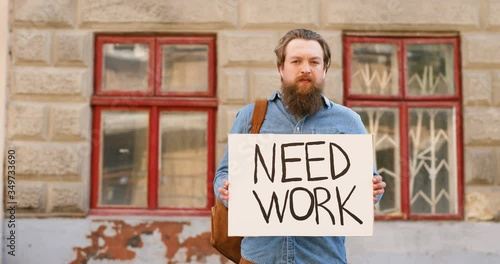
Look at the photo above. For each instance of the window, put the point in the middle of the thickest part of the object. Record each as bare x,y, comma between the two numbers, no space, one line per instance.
407,92
154,108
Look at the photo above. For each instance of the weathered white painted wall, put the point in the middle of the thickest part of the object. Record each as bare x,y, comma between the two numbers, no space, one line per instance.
427,242
53,240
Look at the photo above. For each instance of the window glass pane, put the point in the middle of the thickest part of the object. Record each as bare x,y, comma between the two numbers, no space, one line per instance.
383,123
185,68
124,158
125,67
183,160
433,173
374,69
430,69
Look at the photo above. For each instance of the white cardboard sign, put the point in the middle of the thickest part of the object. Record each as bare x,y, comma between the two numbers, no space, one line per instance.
300,185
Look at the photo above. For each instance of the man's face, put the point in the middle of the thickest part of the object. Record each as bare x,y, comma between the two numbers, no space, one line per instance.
303,66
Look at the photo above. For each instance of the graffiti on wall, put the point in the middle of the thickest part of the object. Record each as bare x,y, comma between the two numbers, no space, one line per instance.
121,241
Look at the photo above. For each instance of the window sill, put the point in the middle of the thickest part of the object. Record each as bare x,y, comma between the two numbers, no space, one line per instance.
147,212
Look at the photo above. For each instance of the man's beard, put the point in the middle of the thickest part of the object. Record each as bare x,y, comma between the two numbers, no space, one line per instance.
301,104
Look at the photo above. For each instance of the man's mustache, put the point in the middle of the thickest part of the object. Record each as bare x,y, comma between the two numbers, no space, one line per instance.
303,78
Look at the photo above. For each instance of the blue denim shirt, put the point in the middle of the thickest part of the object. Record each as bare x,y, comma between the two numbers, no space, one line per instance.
331,119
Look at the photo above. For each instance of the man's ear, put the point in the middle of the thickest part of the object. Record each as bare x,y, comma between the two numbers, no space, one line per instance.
280,70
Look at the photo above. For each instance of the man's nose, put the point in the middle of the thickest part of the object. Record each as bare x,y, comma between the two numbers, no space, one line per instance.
305,69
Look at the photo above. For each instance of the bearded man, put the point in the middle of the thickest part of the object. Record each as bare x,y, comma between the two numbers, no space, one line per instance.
303,59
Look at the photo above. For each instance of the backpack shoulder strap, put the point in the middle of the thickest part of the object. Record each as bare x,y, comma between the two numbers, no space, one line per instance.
259,113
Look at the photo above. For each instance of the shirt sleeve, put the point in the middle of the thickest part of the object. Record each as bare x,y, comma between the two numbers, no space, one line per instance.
241,125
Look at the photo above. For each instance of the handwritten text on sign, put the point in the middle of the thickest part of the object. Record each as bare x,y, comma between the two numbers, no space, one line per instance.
300,185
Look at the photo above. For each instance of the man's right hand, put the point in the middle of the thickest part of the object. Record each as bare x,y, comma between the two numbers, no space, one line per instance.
223,191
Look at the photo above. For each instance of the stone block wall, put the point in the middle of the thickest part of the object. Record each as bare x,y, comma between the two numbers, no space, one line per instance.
51,76
48,109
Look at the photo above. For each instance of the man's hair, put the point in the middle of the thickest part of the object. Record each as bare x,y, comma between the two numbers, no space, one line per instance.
305,34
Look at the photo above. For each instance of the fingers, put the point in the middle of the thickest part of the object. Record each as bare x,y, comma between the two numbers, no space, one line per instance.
378,191
224,194
378,187
378,183
223,191
377,179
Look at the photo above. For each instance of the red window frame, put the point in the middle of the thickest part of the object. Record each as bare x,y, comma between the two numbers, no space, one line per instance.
154,101
403,101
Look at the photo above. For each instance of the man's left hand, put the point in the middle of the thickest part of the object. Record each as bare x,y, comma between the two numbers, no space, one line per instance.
378,187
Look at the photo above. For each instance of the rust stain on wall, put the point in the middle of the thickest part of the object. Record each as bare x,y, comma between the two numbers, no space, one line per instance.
115,245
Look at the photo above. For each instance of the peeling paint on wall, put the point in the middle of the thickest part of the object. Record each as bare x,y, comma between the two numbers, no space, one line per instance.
143,242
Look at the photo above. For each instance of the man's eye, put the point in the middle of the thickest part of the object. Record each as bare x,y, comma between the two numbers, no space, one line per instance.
295,61
315,62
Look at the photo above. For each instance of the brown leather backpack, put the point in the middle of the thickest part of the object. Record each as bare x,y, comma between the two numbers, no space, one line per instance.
230,247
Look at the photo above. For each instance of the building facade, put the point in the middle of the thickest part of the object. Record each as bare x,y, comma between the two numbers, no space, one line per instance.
117,114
